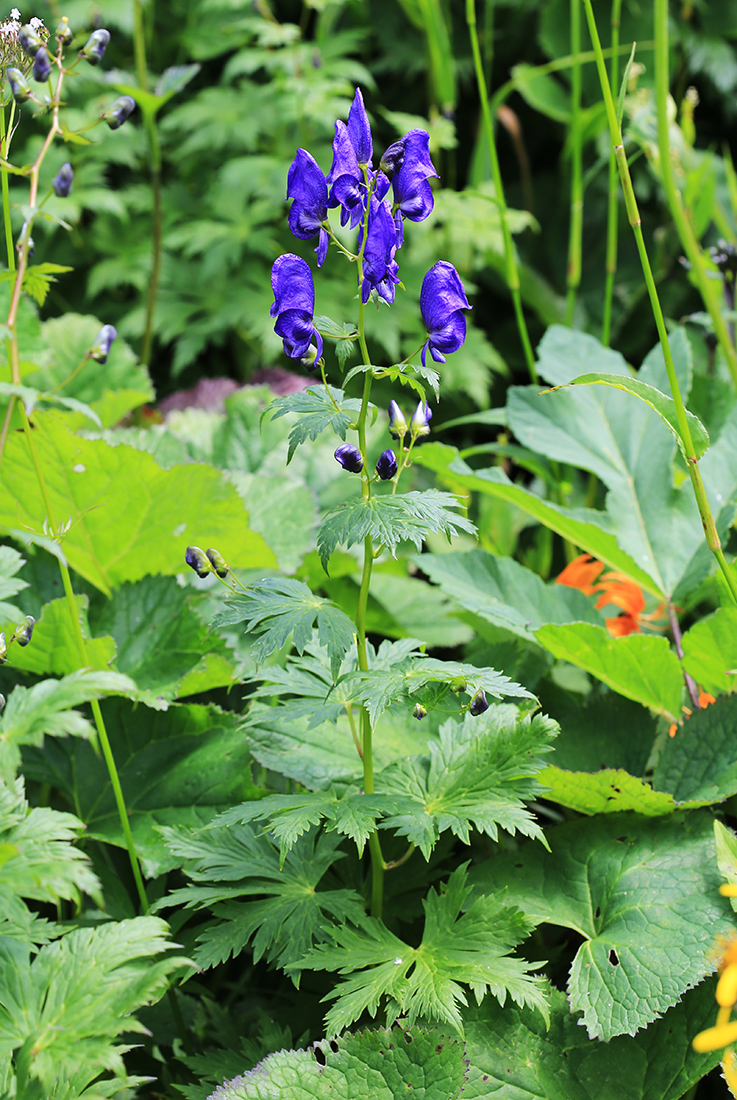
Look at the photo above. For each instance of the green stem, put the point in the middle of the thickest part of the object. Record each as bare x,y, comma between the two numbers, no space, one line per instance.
10,248
612,202
512,274
156,237
707,520
139,45
678,212
573,281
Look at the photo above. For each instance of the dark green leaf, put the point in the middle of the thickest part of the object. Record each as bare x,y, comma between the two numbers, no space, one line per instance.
700,762
317,407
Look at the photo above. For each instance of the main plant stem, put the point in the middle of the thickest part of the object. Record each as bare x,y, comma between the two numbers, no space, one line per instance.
707,520
678,212
512,274
573,278
612,221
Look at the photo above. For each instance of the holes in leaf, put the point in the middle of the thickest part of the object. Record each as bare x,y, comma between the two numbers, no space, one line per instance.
597,913
613,957
334,1046
319,1056
408,1038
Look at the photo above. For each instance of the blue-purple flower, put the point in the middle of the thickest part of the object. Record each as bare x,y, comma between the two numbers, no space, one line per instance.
419,425
442,301
63,180
294,308
386,467
413,196
118,111
41,66
197,559
349,457
397,424
359,130
479,703
352,152
95,46
379,266
308,187
104,340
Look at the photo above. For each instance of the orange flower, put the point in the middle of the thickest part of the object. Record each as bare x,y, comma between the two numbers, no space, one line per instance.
615,588
581,574
704,699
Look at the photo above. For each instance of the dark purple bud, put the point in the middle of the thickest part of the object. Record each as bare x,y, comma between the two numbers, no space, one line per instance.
30,40
479,703
95,46
19,86
442,301
217,561
116,114
386,467
24,630
420,423
397,424
308,187
64,32
393,158
359,129
63,180
197,559
3,649
349,457
41,66
294,307
2,702
103,342
419,712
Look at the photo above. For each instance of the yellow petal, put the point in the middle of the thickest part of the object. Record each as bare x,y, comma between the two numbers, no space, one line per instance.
715,1037
727,987
728,890
729,1068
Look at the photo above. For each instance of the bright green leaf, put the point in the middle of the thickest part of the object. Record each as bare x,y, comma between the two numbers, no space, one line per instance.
609,791
710,652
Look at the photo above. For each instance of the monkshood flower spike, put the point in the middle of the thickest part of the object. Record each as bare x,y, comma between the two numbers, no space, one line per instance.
308,214
294,308
104,340
63,180
349,457
442,301
386,467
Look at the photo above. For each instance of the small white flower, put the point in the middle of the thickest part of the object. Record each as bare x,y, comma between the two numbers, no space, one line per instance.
398,961
37,23
15,14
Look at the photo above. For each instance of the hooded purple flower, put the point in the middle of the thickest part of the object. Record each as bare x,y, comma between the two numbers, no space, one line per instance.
386,467
379,267
352,149
442,301
309,189
413,196
359,130
294,308
349,457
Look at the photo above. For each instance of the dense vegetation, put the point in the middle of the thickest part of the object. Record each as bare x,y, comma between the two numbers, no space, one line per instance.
421,775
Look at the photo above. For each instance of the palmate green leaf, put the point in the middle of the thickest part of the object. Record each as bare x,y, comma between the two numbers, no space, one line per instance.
710,651
181,767
381,1063
78,995
643,892
515,1056
129,516
700,762
640,667
45,710
407,374
610,791
278,607
390,520
327,327
31,398
289,816
38,278
10,585
664,406
505,592
585,527
257,897
478,775
54,650
38,861
458,948
316,412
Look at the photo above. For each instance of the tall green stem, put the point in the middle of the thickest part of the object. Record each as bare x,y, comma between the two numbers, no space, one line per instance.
512,274
573,280
678,212
612,221
710,531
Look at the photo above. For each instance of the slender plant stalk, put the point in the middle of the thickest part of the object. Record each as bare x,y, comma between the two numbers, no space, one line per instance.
678,212
633,214
10,246
14,360
573,279
512,274
612,221
675,628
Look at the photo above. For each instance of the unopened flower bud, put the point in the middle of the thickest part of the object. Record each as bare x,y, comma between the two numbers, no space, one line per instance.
397,423
30,41
103,342
118,112
3,649
19,86
217,561
457,684
197,559
63,180
420,422
2,702
24,630
479,703
419,712
309,359
95,46
349,457
386,467
64,32
41,66
393,158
